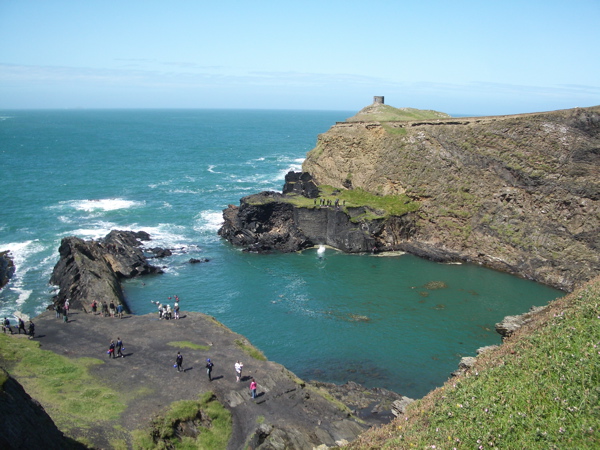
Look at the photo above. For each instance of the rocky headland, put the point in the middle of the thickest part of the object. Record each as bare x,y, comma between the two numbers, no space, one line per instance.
518,193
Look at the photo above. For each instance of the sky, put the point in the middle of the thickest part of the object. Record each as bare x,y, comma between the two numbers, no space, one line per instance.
459,57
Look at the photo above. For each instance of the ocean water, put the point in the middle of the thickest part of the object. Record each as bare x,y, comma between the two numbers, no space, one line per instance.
323,314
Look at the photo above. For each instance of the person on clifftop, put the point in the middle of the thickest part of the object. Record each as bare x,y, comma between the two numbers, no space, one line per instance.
22,326
120,311
238,371
120,348
209,368
31,329
179,361
253,388
111,349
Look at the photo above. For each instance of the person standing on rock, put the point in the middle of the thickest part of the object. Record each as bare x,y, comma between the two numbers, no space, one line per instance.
253,388
176,309
119,348
65,312
57,308
31,329
209,368
120,310
94,307
104,309
111,308
238,371
179,361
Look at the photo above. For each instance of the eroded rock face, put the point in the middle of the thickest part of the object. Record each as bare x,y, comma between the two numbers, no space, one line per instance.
91,270
7,268
516,193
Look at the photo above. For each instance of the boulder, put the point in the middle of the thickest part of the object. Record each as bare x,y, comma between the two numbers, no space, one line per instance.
7,268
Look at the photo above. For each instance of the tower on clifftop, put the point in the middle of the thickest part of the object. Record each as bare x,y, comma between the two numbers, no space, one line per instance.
378,99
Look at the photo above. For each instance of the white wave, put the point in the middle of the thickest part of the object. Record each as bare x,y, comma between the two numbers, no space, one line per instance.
162,183
98,230
23,295
104,204
211,169
185,191
209,220
167,205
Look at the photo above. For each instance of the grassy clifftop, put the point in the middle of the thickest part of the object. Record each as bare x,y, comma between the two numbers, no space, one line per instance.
386,113
539,390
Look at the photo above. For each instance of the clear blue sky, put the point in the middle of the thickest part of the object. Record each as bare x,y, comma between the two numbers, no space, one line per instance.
461,57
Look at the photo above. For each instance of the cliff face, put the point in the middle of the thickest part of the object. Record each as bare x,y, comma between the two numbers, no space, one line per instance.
516,193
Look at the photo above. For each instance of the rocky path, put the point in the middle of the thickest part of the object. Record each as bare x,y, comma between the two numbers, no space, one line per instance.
285,410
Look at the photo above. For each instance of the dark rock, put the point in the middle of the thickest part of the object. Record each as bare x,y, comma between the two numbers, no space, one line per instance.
7,268
92,270
300,183
268,221
24,422
161,252
196,261
510,324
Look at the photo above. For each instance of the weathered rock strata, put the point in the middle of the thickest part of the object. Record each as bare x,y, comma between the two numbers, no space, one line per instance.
92,270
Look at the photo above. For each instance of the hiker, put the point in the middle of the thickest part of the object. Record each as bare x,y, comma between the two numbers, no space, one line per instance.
176,309
94,307
238,371
120,348
111,308
120,311
66,307
104,309
58,310
31,329
111,349
22,326
253,388
179,361
209,368
6,326
65,312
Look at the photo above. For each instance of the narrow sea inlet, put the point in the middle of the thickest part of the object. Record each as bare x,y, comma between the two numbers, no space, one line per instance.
393,321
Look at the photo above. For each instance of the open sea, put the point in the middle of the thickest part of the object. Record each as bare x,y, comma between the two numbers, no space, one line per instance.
323,314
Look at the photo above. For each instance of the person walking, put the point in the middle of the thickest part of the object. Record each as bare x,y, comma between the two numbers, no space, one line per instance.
111,349
179,361
31,329
22,326
66,308
253,388
120,348
6,325
238,371
209,368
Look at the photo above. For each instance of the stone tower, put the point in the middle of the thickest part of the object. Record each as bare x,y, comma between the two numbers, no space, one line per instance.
378,99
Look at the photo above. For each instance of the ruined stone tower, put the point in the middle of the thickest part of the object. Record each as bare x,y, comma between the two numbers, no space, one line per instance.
378,99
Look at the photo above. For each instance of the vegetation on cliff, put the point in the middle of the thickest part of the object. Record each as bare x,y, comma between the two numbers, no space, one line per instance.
540,389
387,113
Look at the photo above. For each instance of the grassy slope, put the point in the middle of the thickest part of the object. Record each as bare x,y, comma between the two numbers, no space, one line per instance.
386,113
540,389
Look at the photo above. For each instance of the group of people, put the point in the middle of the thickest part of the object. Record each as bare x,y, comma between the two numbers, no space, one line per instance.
166,312
209,368
115,349
63,311
7,327
108,310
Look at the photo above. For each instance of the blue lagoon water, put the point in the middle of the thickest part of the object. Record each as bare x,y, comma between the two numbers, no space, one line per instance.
326,316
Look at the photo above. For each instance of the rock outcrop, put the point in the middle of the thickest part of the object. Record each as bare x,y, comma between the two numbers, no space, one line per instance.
92,270
24,422
519,194
7,268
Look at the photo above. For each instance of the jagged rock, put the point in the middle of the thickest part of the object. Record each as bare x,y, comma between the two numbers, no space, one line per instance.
91,270
399,406
196,260
510,324
24,422
300,183
7,268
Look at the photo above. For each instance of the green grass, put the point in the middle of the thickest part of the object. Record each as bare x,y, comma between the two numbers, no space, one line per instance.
210,417
70,395
539,390
378,206
250,350
387,113
188,344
